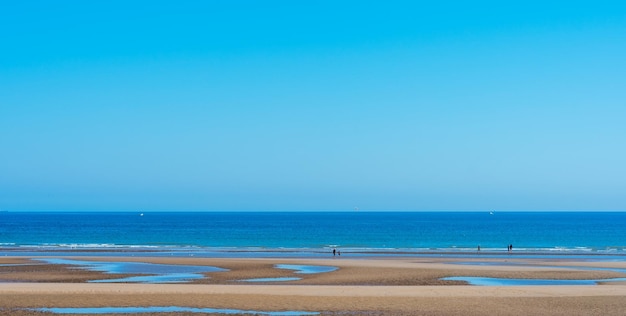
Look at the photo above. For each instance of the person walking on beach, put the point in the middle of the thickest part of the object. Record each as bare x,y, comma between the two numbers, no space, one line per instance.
334,252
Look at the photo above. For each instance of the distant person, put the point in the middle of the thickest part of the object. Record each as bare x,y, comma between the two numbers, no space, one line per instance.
339,252
334,252
478,247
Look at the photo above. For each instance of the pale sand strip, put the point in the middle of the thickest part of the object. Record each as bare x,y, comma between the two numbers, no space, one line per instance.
314,290
334,300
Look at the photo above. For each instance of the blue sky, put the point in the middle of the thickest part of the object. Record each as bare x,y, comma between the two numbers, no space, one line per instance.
312,105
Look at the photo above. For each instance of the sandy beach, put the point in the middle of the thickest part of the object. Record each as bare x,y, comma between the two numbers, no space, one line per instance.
376,286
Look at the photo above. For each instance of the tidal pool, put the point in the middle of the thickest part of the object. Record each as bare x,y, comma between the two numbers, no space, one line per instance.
151,272
300,269
164,309
304,269
482,281
517,282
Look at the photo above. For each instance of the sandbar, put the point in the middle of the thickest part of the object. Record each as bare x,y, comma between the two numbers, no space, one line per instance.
363,286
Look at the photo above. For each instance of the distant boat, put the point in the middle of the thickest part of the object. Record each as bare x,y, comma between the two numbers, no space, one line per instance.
141,214
491,213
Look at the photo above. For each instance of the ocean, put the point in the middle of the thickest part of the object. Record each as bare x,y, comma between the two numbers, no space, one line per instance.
309,233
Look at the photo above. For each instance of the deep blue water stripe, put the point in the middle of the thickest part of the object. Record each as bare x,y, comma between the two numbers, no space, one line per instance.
593,230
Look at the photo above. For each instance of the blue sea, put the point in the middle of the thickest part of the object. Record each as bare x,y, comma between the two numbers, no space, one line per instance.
355,233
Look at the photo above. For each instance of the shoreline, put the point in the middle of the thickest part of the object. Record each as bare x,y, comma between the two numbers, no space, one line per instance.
252,252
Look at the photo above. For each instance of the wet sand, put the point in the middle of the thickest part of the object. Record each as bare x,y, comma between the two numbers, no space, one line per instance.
377,286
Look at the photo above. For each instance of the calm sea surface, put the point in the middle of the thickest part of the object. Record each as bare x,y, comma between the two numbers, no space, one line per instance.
362,232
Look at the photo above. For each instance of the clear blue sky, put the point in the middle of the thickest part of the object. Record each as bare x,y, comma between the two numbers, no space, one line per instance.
312,105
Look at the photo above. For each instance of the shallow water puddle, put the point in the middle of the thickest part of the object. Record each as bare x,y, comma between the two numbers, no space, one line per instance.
155,273
482,281
164,309
516,282
300,269
164,278
304,269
